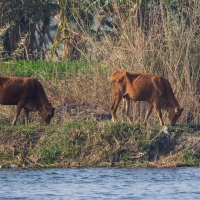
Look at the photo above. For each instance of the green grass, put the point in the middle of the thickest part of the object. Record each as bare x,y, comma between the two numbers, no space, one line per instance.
89,143
47,69
190,158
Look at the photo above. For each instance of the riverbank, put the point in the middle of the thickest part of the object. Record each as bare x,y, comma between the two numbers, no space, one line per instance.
81,133
93,143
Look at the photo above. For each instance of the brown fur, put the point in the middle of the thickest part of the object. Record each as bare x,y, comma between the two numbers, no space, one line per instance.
155,90
26,93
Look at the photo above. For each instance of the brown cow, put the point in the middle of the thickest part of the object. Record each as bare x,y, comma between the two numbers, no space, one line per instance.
155,90
26,93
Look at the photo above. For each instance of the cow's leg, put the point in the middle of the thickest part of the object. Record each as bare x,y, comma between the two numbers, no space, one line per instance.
123,105
115,105
149,109
126,108
26,112
19,108
158,111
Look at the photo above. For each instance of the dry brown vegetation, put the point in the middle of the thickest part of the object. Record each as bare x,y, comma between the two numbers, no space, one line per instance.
170,47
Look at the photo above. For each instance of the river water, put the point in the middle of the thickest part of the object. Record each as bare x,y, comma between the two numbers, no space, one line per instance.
100,183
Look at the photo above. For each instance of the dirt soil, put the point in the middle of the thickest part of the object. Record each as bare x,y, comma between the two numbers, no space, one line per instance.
82,111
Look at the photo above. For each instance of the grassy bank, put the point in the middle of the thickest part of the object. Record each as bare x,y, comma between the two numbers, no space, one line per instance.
81,133
90,143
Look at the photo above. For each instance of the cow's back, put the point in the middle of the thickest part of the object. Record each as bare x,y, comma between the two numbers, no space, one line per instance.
15,89
120,81
142,86
150,88
136,85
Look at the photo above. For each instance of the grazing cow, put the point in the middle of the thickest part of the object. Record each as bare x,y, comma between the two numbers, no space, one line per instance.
26,93
155,90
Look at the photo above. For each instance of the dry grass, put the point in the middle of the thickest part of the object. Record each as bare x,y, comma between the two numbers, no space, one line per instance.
170,48
79,96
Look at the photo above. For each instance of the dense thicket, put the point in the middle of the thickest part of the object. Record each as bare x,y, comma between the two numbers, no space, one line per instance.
25,26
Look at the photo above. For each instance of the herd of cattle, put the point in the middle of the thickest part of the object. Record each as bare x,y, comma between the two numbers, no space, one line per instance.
28,93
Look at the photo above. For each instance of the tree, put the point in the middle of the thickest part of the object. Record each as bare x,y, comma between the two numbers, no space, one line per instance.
26,19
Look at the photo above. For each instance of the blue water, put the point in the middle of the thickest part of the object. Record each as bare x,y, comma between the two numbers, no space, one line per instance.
100,183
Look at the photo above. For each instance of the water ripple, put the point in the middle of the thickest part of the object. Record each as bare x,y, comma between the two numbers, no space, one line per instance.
100,183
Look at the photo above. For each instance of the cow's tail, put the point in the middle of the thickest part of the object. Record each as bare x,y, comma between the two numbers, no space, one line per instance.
114,90
112,86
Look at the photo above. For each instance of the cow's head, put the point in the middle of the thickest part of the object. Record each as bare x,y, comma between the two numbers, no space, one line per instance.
174,114
47,113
